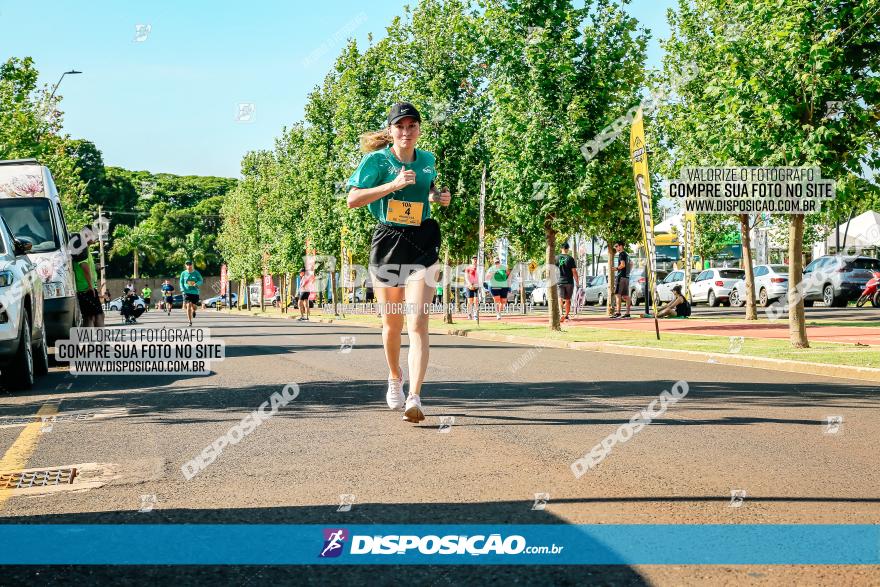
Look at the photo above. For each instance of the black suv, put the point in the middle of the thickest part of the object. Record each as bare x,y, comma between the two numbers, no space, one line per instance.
836,280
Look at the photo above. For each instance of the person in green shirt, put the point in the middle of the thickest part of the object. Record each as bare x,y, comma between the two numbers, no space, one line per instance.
190,282
146,293
395,180
86,277
499,285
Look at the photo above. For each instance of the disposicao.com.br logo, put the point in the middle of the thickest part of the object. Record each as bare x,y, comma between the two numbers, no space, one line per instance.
453,544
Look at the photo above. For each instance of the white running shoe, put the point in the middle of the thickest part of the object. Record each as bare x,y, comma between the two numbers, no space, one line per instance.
394,395
498,316
413,412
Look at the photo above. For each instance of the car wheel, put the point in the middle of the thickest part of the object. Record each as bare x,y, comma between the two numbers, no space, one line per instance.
601,301
763,299
711,299
20,370
41,359
828,296
734,298
634,297
875,301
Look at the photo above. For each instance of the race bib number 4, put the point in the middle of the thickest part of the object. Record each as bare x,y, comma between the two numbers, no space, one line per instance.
404,212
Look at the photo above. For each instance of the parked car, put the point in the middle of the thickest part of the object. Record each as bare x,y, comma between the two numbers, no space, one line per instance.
212,302
836,280
664,287
713,285
771,284
596,291
637,283
23,345
528,287
357,296
30,205
116,304
539,294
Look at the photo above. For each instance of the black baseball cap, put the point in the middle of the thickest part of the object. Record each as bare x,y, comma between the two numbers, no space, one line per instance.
402,110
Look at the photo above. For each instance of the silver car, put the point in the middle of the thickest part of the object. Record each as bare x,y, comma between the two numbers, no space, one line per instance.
771,284
597,291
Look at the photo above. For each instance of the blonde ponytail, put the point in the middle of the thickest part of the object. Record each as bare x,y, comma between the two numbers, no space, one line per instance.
373,141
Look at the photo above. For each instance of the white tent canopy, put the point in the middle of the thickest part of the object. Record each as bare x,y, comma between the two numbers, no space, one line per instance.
675,221
864,231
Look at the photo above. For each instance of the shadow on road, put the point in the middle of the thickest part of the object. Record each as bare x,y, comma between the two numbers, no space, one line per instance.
558,403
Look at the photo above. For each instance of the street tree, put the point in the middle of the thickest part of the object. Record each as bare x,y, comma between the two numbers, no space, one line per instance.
769,74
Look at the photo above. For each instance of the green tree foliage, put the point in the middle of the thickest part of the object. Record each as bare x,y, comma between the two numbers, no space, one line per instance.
768,72
559,75
31,127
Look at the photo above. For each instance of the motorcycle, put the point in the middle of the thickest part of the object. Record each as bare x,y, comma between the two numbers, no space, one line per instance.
872,292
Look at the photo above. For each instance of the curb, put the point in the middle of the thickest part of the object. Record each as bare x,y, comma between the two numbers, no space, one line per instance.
801,367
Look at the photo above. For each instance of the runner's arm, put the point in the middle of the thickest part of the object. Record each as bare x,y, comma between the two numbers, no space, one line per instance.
358,197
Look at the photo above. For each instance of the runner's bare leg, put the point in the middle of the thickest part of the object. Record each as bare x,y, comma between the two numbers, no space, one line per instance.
392,326
418,295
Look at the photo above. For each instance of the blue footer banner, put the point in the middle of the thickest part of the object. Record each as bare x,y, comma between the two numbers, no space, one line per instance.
612,544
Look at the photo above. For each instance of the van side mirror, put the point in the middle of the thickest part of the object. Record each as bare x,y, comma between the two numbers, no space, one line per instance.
20,247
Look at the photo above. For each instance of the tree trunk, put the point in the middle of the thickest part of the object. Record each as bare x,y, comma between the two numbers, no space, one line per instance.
751,311
135,263
447,307
609,308
283,293
522,289
846,232
262,292
797,328
550,260
335,293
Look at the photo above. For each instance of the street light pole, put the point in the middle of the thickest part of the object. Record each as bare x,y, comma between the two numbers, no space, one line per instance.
101,249
55,89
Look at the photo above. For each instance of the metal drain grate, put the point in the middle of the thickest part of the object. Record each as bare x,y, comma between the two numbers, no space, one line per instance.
54,418
25,479
17,421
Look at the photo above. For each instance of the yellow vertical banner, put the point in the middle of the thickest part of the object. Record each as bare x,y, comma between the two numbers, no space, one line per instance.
639,153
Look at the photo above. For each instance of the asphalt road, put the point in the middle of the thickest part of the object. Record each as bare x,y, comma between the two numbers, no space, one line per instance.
522,416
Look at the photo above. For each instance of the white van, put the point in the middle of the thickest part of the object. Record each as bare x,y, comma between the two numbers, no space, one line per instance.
30,205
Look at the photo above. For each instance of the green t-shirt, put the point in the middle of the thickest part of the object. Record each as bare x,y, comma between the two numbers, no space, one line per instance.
146,292
497,277
80,276
193,275
381,167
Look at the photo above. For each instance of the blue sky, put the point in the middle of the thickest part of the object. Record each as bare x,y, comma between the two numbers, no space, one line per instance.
169,102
